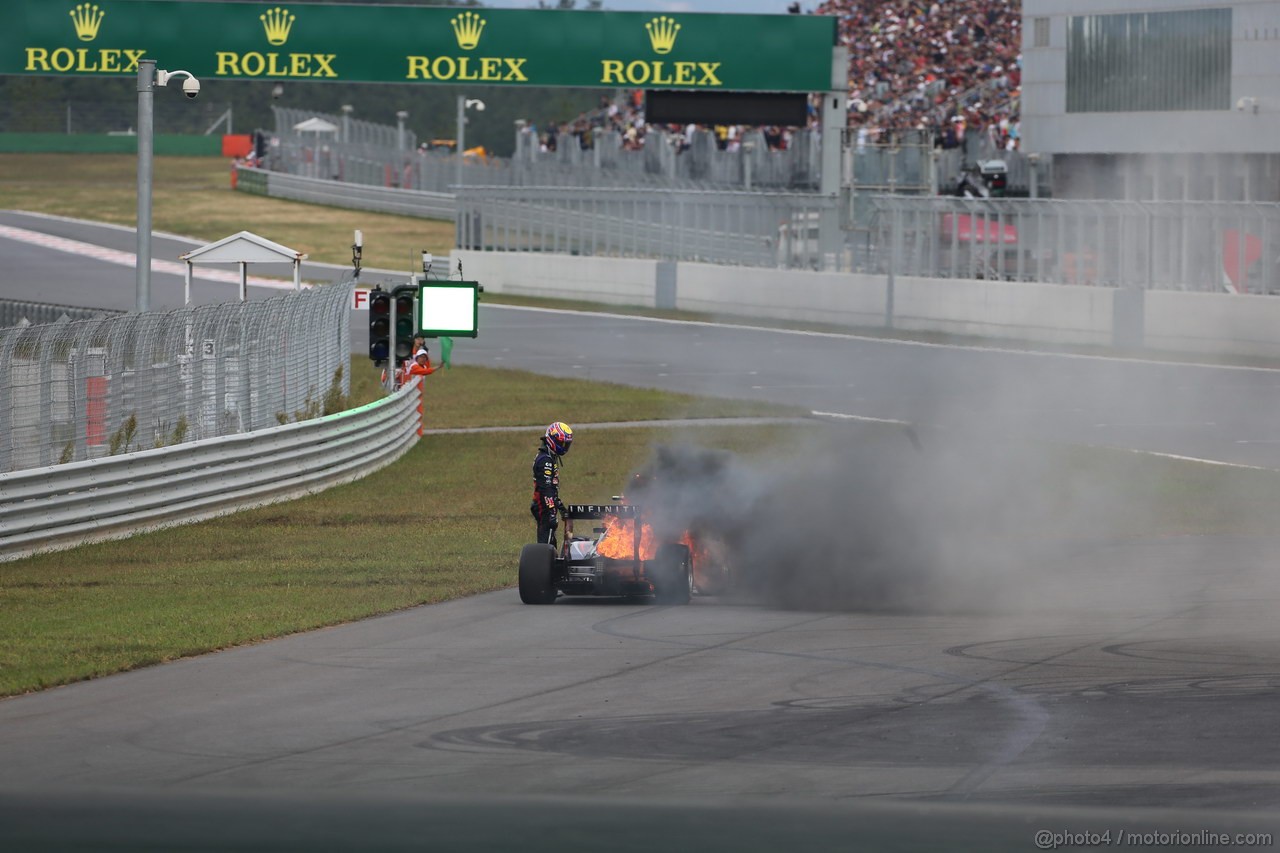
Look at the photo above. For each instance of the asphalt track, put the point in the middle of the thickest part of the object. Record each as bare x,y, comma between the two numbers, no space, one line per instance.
1148,701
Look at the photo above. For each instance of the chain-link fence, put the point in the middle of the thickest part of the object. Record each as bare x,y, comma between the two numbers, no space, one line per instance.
92,388
172,116
1202,246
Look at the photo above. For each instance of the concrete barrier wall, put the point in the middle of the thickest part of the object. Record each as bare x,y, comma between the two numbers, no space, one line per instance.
1192,322
614,281
1213,323
812,297
1003,309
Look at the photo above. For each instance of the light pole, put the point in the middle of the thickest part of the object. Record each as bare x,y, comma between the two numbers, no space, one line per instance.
464,103
148,78
401,115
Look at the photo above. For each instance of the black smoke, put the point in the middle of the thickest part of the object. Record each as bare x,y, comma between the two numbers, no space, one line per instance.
872,518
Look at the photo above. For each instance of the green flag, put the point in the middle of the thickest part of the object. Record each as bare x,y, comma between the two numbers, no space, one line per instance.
446,352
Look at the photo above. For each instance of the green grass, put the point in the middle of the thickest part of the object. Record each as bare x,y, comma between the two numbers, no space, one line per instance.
192,196
466,396
447,520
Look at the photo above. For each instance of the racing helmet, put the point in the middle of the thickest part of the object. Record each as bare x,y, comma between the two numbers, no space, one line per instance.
558,438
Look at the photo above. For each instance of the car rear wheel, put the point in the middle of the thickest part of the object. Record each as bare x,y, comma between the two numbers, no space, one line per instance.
535,575
673,580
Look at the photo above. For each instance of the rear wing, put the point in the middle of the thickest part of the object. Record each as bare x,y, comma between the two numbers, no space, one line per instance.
585,511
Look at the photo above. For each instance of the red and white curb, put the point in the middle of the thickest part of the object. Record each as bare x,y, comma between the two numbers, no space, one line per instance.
128,259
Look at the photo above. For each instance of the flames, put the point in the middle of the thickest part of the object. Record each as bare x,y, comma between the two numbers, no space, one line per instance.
708,558
619,542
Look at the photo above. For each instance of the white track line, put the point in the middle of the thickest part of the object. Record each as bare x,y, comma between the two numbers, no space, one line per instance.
849,336
1182,458
802,332
110,225
863,418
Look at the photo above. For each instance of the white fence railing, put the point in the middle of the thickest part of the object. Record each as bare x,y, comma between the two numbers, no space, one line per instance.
429,205
61,506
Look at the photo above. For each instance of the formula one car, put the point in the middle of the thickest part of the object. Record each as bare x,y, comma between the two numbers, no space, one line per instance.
623,559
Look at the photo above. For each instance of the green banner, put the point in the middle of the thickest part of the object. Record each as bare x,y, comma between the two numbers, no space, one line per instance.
423,45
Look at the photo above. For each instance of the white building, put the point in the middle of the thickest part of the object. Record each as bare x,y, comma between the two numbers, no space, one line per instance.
1154,99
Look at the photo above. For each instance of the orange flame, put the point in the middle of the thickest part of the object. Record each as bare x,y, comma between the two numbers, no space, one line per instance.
619,542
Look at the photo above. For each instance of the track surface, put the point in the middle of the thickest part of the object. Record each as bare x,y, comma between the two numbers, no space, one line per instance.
1166,703
1219,413
1157,688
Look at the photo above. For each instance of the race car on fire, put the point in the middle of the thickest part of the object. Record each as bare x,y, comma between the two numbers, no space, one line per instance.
624,557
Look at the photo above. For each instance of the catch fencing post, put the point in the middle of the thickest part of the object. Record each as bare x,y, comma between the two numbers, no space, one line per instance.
895,241
834,120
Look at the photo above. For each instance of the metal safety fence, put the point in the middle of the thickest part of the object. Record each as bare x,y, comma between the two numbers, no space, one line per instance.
65,505
343,148
405,202
750,229
90,389
1198,246
346,129
19,312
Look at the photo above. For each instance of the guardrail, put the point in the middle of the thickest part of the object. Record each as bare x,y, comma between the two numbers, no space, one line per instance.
429,205
61,506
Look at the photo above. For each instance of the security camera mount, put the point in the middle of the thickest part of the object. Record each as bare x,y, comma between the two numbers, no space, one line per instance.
190,86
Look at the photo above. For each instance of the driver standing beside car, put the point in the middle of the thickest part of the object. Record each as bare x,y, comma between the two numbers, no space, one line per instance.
546,503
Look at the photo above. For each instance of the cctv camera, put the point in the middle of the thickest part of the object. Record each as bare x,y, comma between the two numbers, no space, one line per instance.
191,87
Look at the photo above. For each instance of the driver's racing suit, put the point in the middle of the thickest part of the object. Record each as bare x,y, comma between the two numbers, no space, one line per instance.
546,494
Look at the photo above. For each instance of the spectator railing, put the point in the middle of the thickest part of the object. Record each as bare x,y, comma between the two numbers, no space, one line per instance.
374,158
752,229
347,129
406,202
1199,246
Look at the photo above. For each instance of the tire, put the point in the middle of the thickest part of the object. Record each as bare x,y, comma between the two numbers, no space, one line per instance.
535,575
673,580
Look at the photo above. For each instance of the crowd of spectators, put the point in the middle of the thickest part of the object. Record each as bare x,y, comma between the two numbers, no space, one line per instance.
923,69
944,67
624,115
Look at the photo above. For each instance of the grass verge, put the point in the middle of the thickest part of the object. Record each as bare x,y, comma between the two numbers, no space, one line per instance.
447,520
192,196
466,396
